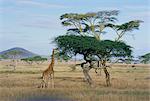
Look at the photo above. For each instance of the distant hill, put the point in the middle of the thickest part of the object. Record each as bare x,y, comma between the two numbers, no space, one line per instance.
23,53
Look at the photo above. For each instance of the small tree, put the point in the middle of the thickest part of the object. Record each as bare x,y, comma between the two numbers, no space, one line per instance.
36,59
28,60
145,58
14,54
39,59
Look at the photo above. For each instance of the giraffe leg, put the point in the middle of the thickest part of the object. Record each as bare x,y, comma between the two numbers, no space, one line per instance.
47,82
107,77
46,85
42,84
100,73
53,85
52,80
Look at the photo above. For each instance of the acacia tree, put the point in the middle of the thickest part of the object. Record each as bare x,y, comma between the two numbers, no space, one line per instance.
28,60
89,46
14,54
36,59
145,58
86,39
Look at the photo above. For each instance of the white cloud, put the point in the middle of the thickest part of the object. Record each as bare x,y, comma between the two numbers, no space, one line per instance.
108,8
39,4
135,7
41,23
125,7
142,15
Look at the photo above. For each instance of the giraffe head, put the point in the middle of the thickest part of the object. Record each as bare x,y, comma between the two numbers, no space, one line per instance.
55,50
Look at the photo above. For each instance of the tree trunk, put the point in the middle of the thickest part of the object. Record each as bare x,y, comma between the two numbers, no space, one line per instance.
86,70
13,64
107,76
87,76
106,73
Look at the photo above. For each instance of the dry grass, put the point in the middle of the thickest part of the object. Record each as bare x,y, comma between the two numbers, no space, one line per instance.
128,84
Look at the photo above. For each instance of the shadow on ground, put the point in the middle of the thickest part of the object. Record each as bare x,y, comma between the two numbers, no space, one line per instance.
43,98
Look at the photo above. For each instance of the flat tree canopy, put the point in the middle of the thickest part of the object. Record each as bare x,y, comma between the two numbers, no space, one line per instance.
36,59
85,45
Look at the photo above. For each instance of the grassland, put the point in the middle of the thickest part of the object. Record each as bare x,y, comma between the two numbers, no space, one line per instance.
127,84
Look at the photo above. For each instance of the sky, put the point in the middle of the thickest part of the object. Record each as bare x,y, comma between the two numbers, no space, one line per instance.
33,24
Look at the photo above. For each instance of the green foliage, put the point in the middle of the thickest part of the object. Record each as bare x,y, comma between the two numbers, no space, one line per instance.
145,58
85,37
28,60
37,59
72,44
129,26
92,23
62,56
124,28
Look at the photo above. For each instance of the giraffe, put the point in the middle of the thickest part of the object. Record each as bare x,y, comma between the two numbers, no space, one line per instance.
48,73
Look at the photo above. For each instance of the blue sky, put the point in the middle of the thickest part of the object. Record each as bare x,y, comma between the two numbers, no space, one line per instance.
33,24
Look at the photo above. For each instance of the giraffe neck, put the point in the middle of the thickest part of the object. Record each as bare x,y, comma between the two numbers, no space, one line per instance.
52,61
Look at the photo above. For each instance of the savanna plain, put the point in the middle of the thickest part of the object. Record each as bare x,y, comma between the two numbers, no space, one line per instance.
127,83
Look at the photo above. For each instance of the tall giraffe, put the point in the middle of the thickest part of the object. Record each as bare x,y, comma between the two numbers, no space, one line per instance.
48,73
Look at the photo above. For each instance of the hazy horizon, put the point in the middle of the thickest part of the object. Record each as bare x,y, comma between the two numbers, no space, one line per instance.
33,24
